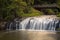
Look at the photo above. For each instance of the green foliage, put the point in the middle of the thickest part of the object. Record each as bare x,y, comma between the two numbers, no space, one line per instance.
32,12
10,9
58,15
29,2
58,29
45,1
58,2
50,11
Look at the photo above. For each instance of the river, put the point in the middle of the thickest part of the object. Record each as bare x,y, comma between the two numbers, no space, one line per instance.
32,28
29,35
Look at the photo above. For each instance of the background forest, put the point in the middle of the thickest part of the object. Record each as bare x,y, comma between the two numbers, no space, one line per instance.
10,9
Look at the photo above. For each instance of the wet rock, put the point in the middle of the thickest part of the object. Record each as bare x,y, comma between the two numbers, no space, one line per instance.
2,25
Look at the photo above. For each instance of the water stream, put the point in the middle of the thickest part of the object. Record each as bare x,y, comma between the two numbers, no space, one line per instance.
49,23
32,28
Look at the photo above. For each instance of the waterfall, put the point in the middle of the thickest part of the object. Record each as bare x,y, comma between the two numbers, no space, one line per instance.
35,23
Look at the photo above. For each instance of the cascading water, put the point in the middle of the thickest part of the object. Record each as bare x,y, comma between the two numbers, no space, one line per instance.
35,23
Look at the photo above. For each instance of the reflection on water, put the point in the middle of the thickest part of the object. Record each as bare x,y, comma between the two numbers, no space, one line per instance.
29,35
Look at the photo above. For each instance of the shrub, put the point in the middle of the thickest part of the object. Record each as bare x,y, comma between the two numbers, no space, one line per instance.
50,11
58,15
33,12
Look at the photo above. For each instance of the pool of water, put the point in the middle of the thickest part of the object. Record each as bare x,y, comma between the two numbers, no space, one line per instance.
29,35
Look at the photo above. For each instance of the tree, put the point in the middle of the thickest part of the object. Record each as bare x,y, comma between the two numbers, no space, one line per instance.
10,9
7,9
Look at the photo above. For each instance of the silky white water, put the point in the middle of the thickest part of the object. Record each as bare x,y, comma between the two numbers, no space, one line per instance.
48,23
